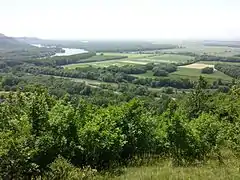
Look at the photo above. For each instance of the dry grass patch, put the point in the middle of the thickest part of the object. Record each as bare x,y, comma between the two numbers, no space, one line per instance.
198,66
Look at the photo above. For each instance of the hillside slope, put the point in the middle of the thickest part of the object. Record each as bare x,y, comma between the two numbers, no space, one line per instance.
11,43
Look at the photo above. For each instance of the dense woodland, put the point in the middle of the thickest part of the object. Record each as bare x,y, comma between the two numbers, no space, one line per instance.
41,134
105,46
229,69
218,58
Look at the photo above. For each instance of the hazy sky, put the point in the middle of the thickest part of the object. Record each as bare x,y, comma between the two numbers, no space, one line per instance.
121,19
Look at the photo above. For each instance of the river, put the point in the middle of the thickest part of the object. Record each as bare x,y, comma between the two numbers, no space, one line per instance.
68,51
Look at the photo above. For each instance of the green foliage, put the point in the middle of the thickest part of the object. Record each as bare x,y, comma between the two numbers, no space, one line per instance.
209,132
44,137
159,72
61,60
61,169
196,103
163,69
183,145
207,70
229,69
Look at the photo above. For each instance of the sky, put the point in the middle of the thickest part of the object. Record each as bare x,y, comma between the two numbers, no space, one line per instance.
121,19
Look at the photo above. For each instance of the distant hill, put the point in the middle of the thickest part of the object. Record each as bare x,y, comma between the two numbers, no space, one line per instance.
11,43
29,40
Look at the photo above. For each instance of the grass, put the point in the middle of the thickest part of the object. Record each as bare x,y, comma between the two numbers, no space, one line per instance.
130,55
163,170
132,59
197,66
99,64
101,58
165,58
172,58
195,73
189,73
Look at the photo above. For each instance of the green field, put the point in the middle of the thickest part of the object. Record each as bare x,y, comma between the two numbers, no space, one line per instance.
141,59
189,73
132,59
195,73
101,58
100,64
172,58
130,55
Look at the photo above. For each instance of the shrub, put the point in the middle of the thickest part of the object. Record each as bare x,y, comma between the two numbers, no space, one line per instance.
61,169
183,145
160,72
207,70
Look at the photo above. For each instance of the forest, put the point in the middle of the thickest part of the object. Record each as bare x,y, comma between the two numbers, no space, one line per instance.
41,133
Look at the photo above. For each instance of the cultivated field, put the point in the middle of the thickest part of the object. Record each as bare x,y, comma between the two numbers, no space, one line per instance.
134,59
190,73
194,73
197,66
130,55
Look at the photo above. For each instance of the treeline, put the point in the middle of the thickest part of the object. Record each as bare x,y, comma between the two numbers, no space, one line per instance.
185,53
217,58
231,70
165,82
50,61
48,138
164,69
114,74
22,54
61,60
141,69
234,44
128,69
87,73
108,75
101,95
111,46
